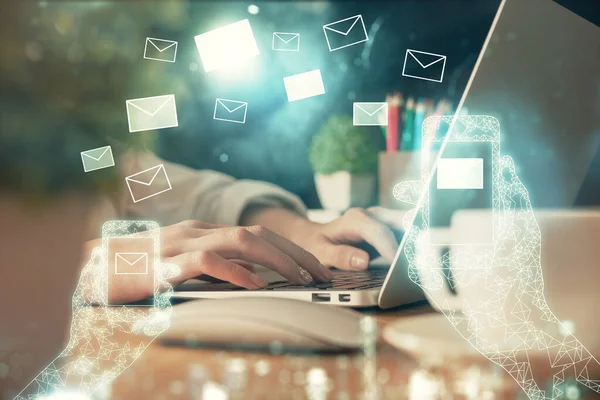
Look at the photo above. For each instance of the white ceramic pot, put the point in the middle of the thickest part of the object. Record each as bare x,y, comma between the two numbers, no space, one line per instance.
341,190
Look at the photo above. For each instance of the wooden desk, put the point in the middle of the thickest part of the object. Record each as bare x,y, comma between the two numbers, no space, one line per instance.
164,373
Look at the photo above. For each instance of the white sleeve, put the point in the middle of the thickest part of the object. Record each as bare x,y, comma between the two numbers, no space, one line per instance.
204,195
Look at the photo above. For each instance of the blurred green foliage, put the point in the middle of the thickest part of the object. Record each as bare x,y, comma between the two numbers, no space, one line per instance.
341,146
67,69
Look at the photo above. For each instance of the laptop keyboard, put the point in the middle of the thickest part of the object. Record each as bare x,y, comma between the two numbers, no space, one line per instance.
342,280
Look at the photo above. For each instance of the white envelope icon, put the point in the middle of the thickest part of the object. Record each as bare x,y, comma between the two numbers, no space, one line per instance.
370,114
148,183
423,65
304,85
230,111
283,41
227,46
131,263
460,173
160,50
345,32
151,113
99,158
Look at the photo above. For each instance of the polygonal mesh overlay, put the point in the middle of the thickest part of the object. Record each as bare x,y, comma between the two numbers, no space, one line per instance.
92,356
509,322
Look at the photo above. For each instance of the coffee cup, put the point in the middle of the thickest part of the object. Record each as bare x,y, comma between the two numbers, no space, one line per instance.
569,256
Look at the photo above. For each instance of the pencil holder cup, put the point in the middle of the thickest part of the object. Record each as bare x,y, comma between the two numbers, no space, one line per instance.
393,169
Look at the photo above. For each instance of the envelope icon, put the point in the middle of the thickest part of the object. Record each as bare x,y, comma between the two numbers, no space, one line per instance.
148,183
160,50
345,32
230,111
423,65
151,113
131,263
304,85
460,173
227,46
283,41
370,114
99,158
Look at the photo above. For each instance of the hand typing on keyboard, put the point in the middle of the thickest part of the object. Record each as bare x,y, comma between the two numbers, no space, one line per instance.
278,239
342,243
226,253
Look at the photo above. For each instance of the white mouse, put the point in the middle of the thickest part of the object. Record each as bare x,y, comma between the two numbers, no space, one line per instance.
264,323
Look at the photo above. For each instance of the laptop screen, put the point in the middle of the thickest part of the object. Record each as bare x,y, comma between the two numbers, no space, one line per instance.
540,77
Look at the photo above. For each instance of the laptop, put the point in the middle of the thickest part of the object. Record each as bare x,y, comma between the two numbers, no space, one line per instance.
539,77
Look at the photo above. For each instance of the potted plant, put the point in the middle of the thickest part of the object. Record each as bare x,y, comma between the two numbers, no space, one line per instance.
344,159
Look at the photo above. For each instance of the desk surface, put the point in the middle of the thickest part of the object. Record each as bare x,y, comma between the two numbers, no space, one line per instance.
166,373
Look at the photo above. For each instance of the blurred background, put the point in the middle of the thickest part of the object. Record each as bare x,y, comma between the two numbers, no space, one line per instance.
68,67
274,143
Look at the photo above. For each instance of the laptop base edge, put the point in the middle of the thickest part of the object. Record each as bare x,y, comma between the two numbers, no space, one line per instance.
353,299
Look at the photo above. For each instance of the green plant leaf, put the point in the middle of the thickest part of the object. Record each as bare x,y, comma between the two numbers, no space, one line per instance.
341,146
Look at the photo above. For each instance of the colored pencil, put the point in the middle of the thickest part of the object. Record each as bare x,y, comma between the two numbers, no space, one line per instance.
409,123
429,107
443,107
419,117
384,126
392,136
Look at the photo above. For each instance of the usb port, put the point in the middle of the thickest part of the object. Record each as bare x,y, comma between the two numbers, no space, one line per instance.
321,298
344,298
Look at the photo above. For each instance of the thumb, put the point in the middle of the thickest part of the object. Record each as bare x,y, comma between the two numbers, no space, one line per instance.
346,257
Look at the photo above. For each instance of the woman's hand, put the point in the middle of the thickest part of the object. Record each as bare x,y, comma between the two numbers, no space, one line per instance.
226,253
335,243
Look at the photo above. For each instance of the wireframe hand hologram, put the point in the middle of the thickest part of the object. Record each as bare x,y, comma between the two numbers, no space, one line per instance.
105,340
500,308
